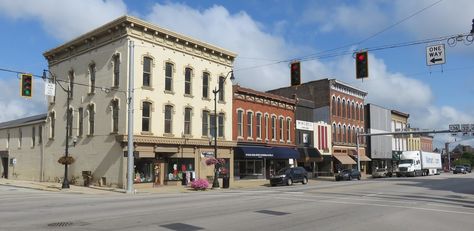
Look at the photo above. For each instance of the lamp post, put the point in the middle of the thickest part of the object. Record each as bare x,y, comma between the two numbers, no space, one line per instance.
215,183
68,117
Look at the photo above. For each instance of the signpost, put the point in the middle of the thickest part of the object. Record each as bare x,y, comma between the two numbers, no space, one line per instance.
435,55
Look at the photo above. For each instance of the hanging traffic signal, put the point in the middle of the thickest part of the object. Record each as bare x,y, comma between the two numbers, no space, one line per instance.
26,85
295,73
362,65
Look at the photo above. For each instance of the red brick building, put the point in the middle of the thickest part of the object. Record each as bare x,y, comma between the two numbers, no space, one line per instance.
264,128
426,143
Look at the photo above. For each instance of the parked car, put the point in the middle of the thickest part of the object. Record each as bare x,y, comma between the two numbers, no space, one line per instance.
468,168
459,169
381,172
289,175
348,174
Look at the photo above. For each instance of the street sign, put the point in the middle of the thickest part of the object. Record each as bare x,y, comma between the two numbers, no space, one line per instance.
50,88
454,128
435,55
465,127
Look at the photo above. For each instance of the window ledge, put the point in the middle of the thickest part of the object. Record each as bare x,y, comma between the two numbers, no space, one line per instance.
113,133
147,88
168,135
90,135
207,99
249,138
168,92
188,95
221,101
146,133
91,94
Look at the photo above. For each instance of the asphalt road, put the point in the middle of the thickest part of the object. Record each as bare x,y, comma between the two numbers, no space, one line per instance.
444,202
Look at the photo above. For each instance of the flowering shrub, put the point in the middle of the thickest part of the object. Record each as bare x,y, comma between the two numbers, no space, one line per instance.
213,161
200,184
223,171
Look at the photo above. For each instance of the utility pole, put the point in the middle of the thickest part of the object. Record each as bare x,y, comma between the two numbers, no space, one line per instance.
446,147
130,157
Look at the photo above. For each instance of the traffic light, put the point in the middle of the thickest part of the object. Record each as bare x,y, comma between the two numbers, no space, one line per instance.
362,65
295,73
26,85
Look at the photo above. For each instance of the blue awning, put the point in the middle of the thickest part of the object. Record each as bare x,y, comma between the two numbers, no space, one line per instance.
253,152
285,153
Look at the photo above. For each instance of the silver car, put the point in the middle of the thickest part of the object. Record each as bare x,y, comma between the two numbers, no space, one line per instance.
379,173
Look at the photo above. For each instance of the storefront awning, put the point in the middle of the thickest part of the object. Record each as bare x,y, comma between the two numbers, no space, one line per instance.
285,153
310,154
362,156
344,159
253,152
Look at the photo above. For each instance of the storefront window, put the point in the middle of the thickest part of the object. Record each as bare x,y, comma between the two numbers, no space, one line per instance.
143,170
178,166
248,168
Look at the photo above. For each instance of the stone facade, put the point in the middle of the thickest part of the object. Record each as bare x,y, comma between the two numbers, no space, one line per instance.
173,79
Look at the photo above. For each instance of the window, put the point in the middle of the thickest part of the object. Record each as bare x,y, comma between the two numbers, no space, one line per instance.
187,81
169,77
81,121
339,136
71,83
187,121
338,107
69,122
288,130
8,139
116,60
349,135
115,116
212,121
249,124
33,136
221,88
91,119
266,127
168,118
52,120
40,134
221,124
274,128
354,135
147,71
361,112
343,108
240,119
92,78
20,137
146,115
334,132
354,110
334,106
205,123
258,125
281,129
205,85
344,134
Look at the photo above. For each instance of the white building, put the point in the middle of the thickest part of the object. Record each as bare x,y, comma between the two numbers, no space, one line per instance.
173,78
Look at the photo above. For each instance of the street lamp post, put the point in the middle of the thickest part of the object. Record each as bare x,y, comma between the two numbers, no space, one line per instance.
215,182
68,117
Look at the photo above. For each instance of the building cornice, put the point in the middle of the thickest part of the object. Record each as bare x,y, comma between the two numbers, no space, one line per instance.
345,88
139,29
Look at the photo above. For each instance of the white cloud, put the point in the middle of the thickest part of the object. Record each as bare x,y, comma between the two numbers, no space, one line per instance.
236,32
14,106
360,18
64,19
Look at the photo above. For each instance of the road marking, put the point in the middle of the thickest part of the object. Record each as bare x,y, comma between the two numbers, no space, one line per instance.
376,205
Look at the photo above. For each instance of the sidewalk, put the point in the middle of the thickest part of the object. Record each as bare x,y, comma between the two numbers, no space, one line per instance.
56,187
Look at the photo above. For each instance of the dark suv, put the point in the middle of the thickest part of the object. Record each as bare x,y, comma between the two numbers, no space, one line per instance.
348,174
288,176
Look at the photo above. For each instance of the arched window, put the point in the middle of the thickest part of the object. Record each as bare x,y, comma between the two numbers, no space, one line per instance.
349,135
334,106
339,133
168,77
338,107
90,110
343,108
92,78
354,110
116,61
221,88
334,132
344,137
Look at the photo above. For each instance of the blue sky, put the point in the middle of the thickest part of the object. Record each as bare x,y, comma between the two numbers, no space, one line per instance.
264,32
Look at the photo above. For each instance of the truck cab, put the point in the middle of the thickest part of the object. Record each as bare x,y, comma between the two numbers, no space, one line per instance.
410,164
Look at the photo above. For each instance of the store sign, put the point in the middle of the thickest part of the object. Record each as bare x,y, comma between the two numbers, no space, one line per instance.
304,125
207,154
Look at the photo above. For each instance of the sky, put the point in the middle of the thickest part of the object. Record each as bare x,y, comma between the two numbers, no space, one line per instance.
267,35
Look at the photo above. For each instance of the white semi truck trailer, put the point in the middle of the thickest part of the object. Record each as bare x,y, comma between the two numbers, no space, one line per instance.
419,163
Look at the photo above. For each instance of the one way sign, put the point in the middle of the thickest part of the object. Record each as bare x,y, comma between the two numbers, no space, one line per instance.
435,55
